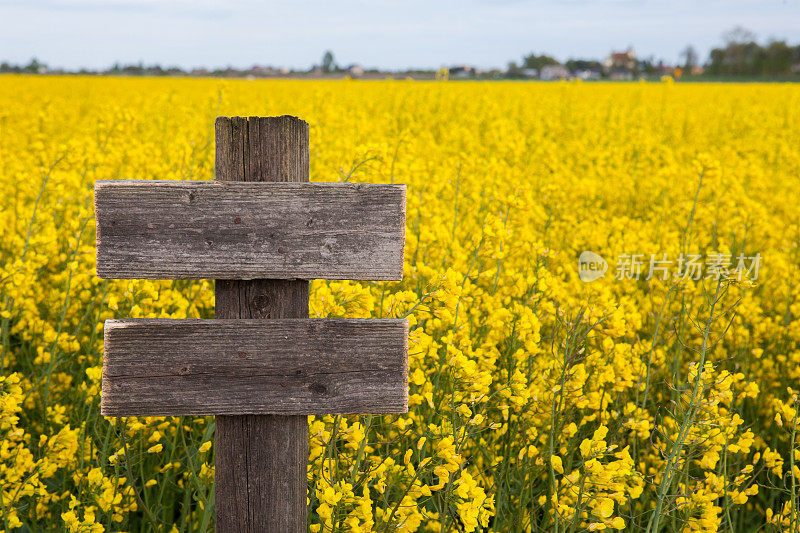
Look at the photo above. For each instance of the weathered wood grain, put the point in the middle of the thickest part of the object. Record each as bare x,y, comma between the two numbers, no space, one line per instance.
163,367
260,474
240,230
261,460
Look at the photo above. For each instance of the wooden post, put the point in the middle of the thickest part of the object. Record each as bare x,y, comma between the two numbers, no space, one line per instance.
261,460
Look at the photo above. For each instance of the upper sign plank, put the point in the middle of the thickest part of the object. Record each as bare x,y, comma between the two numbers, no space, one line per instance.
240,230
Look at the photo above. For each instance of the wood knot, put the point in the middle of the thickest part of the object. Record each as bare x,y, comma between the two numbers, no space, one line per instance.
318,388
237,220
261,305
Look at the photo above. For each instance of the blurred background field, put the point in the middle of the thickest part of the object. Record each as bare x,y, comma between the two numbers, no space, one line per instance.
538,401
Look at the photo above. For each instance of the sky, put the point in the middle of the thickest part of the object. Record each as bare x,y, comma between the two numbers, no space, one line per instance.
388,34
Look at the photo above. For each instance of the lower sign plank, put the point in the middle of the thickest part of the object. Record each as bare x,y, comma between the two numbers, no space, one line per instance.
162,367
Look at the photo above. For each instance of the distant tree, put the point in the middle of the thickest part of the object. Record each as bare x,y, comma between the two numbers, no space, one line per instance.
689,57
328,62
738,35
743,56
716,61
583,64
740,55
537,62
513,70
33,67
647,66
777,58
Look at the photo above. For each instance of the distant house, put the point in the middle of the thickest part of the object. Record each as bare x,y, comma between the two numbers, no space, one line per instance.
461,71
355,70
620,61
621,75
554,72
260,71
587,74
663,69
529,73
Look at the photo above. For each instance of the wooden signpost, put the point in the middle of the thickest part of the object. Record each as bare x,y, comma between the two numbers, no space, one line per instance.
261,230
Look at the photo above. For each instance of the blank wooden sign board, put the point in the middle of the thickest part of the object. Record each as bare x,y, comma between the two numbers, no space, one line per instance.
261,230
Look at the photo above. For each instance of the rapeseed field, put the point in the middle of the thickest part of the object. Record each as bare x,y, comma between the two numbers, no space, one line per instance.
602,282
